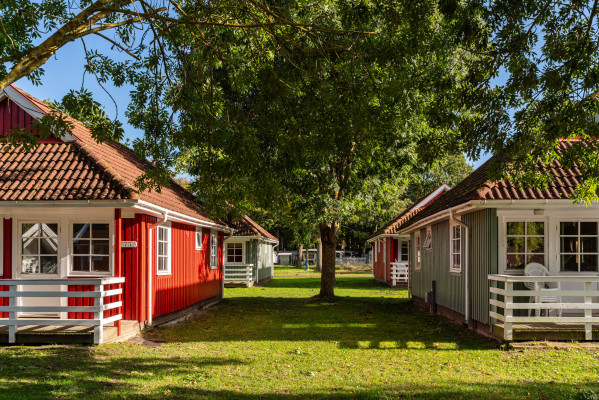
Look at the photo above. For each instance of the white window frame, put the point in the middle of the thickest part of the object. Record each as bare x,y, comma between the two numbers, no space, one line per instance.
19,235
453,227
376,250
578,253
199,238
168,256
213,250
504,238
1,245
400,244
417,251
71,253
226,251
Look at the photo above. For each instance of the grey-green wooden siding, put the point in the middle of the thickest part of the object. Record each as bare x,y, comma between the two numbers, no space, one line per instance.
450,285
264,269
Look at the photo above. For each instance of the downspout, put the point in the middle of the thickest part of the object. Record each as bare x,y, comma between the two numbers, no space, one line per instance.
466,291
150,258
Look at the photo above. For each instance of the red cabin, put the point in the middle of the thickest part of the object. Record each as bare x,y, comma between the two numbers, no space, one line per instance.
390,250
82,247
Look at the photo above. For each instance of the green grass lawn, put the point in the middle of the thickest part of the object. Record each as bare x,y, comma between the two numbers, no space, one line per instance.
269,342
290,271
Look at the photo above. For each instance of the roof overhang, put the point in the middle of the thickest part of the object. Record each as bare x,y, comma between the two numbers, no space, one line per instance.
386,235
482,204
261,238
11,93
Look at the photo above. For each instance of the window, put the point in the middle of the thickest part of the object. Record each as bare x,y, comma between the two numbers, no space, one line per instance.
213,251
163,252
418,251
403,251
578,246
235,253
39,248
525,244
376,250
428,240
455,243
198,238
91,248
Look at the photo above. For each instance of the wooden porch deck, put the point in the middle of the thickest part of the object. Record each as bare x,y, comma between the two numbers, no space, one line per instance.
546,331
35,334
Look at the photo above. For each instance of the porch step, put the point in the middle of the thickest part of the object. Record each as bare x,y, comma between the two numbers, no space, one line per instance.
69,334
546,331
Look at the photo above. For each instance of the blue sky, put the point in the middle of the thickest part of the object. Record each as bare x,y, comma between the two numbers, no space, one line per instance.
64,72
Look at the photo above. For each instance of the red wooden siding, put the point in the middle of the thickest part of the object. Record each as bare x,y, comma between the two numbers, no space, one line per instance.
382,265
191,279
6,259
12,116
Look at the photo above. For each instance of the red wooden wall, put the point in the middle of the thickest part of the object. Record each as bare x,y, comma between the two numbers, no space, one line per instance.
12,116
382,270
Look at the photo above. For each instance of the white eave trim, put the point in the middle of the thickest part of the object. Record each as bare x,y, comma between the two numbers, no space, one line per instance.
31,109
248,237
175,216
443,188
68,203
392,235
480,204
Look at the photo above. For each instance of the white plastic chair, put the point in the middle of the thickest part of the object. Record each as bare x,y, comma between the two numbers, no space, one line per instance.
536,269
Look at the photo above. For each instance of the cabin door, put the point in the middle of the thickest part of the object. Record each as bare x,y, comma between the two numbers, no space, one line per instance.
38,259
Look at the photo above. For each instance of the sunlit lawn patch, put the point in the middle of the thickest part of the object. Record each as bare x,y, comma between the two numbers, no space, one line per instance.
269,342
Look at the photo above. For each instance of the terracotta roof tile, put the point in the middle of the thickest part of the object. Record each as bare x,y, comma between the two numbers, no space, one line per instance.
91,170
248,227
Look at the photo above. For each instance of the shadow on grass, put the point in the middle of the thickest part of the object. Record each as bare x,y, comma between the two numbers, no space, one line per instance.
361,283
350,323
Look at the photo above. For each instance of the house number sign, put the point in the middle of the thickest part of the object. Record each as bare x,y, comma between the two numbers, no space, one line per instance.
129,244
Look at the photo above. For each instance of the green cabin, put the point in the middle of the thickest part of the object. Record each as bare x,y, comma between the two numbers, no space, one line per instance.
249,253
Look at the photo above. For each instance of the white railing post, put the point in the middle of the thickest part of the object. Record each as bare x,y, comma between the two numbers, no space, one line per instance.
508,311
99,315
588,312
12,315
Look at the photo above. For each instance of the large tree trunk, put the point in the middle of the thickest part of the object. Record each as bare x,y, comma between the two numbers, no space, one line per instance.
300,254
319,255
328,235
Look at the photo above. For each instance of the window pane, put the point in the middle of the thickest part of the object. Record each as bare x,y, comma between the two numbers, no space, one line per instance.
535,228
100,231
588,263
100,247
588,245
49,246
49,264
568,244
162,249
456,232
100,264
588,228
515,261
515,228
49,230
515,245
81,231
535,245
30,246
81,247
30,230
568,228
535,258
568,262
161,264
81,263
29,265
162,234
456,246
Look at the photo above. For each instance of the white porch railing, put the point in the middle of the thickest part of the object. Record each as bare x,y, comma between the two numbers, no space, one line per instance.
235,273
579,311
98,294
399,273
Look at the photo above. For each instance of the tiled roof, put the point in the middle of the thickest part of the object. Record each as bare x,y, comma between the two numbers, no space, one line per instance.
392,227
248,227
113,163
55,171
477,186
